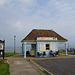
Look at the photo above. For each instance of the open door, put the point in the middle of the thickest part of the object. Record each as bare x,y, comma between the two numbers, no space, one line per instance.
33,50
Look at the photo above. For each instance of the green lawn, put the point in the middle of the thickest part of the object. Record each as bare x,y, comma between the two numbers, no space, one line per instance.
10,54
68,52
4,68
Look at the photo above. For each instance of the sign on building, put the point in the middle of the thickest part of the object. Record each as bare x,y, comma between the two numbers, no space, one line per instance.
46,38
42,47
52,46
2,47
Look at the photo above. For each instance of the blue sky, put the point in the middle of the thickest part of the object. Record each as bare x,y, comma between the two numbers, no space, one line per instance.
19,17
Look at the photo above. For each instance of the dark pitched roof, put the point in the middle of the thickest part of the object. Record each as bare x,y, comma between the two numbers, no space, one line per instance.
42,33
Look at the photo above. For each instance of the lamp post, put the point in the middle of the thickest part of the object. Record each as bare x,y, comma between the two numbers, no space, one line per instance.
14,43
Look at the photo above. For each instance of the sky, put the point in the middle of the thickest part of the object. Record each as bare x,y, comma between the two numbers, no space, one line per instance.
19,17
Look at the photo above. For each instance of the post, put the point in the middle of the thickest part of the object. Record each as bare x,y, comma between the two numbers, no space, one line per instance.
24,47
14,43
37,48
66,49
3,48
74,51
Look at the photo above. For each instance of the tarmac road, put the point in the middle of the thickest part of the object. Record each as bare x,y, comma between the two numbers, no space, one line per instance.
63,66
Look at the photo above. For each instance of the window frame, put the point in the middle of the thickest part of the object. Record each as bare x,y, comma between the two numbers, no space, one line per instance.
47,47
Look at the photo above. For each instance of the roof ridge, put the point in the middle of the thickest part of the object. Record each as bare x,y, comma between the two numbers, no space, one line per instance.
44,29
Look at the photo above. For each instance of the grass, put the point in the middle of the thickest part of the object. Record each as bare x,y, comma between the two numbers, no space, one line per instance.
68,52
4,68
10,54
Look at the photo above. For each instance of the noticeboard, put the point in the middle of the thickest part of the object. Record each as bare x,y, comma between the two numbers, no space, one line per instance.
52,46
2,47
42,47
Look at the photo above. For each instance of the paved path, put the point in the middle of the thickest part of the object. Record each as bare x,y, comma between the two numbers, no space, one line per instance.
22,67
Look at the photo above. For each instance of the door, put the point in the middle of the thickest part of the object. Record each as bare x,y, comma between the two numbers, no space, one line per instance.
33,50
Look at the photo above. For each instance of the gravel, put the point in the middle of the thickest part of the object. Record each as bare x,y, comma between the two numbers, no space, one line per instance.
65,66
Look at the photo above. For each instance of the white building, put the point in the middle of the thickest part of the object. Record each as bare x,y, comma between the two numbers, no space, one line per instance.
42,41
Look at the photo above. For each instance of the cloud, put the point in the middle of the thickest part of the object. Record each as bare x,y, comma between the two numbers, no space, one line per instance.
62,8
3,2
28,2
21,16
18,25
55,9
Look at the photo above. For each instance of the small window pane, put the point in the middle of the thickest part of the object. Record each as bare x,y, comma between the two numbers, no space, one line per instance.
32,46
47,47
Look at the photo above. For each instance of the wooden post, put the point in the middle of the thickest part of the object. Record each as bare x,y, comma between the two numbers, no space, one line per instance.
74,51
22,49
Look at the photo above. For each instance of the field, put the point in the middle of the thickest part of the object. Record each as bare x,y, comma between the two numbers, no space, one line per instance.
65,66
10,54
68,52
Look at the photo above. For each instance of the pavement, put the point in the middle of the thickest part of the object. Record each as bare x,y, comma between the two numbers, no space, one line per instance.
20,66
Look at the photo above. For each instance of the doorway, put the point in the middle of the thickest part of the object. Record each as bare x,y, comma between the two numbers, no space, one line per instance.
33,50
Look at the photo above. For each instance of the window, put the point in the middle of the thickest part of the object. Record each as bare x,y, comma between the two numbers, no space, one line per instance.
33,46
47,47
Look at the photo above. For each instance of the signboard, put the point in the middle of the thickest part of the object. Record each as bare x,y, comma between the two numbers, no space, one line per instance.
52,46
42,47
2,47
46,38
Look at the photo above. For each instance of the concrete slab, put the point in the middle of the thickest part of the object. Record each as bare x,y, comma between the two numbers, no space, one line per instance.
22,67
